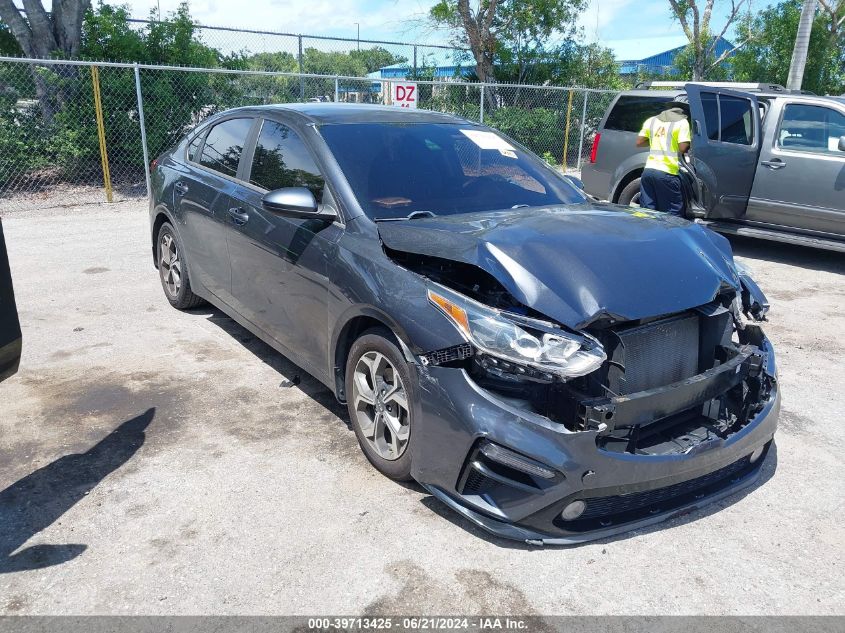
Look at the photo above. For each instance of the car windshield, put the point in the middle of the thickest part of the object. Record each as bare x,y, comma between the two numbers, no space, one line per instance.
397,170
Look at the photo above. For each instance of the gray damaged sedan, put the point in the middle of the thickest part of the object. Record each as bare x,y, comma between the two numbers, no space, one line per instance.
554,369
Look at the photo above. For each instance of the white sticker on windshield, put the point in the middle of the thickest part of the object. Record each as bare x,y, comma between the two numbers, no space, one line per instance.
488,140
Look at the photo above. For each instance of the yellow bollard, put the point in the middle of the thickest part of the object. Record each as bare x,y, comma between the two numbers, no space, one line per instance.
566,132
101,131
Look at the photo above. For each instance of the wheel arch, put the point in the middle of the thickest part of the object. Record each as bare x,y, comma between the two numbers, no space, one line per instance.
355,322
162,216
624,182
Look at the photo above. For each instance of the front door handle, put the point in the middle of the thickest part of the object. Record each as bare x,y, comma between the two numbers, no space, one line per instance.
775,163
181,188
238,216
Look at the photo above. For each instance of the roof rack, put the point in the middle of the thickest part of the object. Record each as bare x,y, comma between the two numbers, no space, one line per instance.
760,87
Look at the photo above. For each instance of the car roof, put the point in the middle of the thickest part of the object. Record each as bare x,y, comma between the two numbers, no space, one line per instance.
764,94
340,113
652,93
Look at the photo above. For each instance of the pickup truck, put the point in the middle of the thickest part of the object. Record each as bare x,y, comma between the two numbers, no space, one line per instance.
765,162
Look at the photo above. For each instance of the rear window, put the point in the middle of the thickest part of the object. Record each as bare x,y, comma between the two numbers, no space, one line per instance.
630,112
224,144
194,145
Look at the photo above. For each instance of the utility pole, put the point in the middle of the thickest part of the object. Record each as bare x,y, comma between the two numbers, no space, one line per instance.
358,37
802,44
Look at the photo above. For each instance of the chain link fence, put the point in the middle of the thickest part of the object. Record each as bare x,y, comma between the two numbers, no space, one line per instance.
295,52
59,148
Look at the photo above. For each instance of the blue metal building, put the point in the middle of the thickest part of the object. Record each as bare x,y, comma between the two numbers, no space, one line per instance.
654,54
442,64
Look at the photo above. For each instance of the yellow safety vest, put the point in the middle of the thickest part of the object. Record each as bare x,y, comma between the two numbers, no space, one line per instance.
663,140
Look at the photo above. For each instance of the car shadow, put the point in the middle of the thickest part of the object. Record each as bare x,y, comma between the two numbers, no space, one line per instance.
293,375
34,502
767,472
790,254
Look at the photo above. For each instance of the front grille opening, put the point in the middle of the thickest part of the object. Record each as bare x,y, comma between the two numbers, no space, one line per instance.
619,509
492,479
674,434
655,354
449,354
475,482
510,473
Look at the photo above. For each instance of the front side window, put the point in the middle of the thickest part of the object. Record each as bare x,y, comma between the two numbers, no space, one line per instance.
629,113
282,160
224,145
396,169
727,118
811,128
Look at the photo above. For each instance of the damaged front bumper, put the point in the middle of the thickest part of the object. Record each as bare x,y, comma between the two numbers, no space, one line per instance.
542,468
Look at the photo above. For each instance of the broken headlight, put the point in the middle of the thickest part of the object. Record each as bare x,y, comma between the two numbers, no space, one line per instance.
518,339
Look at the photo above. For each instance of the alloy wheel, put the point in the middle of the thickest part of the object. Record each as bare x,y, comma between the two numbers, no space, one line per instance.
170,266
381,405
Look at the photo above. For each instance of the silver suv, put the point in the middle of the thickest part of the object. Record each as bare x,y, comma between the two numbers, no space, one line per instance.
765,162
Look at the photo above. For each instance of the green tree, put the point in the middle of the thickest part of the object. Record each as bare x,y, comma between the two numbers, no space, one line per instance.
276,62
695,18
371,59
175,42
44,34
355,63
106,34
586,65
512,32
332,63
771,35
713,70
9,46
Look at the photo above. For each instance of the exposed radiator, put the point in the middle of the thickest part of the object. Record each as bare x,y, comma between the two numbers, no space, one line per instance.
655,354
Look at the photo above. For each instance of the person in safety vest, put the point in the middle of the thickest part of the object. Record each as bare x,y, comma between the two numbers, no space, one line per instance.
667,136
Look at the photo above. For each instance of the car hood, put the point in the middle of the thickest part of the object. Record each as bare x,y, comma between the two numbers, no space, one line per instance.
577,264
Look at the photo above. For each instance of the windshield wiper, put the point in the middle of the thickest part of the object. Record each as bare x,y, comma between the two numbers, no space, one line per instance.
411,216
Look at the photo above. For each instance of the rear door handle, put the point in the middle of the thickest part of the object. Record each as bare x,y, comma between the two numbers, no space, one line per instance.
238,216
775,163
181,188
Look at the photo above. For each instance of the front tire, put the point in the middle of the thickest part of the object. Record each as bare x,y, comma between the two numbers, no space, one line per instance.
379,398
630,195
172,270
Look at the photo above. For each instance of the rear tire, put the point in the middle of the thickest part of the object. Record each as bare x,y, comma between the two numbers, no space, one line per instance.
630,195
380,398
172,270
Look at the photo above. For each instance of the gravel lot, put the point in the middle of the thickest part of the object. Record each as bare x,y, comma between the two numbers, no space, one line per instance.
152,463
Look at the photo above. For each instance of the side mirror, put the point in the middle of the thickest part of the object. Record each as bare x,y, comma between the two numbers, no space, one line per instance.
841,144
296,202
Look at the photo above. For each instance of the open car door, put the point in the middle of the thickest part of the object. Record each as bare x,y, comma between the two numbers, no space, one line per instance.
10,329
726,144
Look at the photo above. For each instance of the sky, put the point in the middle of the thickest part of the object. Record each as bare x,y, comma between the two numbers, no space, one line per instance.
402,20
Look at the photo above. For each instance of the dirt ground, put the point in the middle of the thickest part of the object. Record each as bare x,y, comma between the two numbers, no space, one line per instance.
155,462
